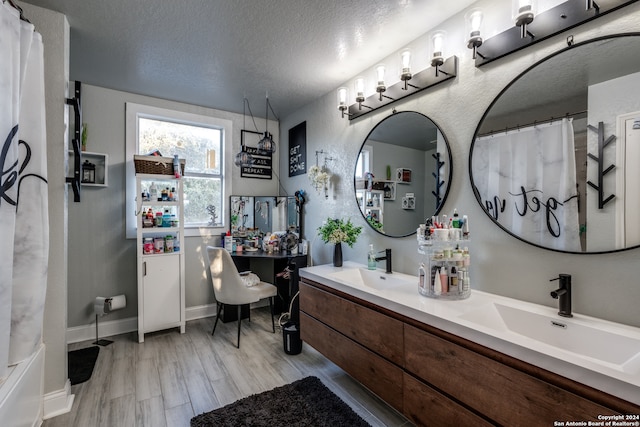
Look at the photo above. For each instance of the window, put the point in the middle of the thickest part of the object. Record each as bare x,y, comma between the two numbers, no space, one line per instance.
364,162
202,141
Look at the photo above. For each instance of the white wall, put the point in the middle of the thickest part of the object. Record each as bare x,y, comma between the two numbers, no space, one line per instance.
607,101
605,285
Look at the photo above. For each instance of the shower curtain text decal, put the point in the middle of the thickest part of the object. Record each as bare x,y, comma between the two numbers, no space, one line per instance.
526,182
523,203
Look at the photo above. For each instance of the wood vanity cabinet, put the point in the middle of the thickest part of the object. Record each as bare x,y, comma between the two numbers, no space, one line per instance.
436,378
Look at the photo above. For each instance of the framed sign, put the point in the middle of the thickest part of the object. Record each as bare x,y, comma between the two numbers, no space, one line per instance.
298,149
262,162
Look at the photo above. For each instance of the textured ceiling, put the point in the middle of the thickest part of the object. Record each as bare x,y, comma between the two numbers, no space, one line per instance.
213,53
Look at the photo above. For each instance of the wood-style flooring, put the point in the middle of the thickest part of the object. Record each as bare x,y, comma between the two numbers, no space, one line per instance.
172,377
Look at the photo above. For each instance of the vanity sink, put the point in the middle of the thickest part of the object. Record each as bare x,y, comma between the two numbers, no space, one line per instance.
376,279
581,335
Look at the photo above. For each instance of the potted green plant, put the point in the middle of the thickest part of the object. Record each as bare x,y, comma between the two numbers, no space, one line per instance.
337,231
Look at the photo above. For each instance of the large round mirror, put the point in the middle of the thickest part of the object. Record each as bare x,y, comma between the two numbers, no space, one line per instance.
555,160
402,173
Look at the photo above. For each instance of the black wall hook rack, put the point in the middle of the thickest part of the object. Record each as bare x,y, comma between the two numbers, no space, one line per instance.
439,181
602,143
76,103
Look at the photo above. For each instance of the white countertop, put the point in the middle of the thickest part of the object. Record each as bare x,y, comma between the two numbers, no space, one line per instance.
403,298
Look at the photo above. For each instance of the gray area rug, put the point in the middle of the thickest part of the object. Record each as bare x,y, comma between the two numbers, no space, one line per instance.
306,402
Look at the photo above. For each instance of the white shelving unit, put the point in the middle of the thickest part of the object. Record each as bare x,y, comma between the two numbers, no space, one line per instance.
102,167
161,299
371,203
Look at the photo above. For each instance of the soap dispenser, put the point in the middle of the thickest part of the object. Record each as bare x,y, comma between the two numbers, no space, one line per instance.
371,258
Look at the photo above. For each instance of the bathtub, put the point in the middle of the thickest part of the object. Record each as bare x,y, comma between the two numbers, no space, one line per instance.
21,393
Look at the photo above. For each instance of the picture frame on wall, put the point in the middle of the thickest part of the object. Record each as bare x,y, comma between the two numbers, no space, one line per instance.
262,167
298,149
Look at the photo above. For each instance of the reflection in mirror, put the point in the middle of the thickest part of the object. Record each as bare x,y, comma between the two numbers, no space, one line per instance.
263,214
402,173
554,161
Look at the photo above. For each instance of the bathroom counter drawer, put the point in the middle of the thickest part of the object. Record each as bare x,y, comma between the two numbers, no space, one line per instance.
377,374
425,406
503,394
375,331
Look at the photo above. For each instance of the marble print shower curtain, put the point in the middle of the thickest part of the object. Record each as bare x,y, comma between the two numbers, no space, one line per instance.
526,179
24,227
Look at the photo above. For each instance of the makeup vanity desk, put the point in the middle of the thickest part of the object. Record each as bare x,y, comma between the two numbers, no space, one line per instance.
266,266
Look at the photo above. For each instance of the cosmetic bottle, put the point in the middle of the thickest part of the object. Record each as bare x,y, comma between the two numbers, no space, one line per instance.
422,280
456,219
437,284
371,258
453,280
176,166
465,227
444,280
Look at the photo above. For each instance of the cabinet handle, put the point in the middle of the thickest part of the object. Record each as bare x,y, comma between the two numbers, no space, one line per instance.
144,268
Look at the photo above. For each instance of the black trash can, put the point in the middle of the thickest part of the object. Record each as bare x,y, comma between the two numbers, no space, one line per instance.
291,338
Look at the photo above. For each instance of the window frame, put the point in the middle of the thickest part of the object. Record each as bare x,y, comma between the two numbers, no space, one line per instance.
132,112
366,152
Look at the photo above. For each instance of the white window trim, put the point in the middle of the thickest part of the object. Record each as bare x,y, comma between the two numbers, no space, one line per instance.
367,157
132,111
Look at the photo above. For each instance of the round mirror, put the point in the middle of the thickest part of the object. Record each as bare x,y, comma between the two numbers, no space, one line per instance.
554,160
402,173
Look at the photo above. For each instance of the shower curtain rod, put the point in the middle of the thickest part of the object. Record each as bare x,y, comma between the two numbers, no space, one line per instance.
18,8
536,122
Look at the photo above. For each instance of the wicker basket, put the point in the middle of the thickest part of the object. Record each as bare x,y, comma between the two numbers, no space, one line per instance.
156,165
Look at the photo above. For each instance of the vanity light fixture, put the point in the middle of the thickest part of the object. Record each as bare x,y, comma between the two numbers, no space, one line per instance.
359,84
405,68
590,4
473,21
380,86
446,69
343,94
437,58
547,23
267,144
243,158
523,13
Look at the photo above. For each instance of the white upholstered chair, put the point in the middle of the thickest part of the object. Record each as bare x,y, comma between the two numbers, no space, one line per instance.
229,288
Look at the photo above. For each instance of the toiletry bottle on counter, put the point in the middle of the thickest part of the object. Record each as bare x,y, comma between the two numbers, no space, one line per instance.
437,283
371,258
422,280
444,279
453,279
456,219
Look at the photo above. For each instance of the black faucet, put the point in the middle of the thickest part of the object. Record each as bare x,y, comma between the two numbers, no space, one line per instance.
563,295
387,257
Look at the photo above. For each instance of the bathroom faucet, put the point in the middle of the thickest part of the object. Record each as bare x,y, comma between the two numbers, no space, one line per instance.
563,295
387,257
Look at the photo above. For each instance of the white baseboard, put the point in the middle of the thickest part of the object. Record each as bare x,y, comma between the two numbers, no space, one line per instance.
107,328
58,402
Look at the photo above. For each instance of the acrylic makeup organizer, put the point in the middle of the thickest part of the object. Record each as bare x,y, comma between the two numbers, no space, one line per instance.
442,254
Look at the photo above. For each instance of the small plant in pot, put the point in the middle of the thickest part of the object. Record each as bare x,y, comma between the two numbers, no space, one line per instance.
336,232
